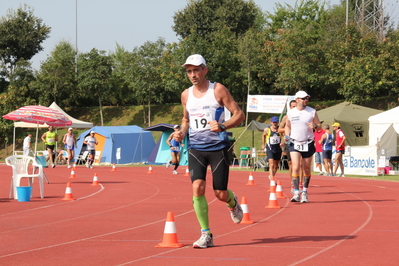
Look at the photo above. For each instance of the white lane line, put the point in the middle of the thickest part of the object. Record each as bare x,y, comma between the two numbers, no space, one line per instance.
345,238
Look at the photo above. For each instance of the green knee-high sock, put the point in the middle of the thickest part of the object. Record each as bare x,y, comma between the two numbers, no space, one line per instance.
230,200
201,210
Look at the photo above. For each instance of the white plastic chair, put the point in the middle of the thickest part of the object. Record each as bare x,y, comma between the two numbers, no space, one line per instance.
97,157
245,158
21,165
283,161
82,158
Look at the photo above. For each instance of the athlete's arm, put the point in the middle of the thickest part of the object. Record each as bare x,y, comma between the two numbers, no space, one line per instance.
185,120
282,125
225,99
169,139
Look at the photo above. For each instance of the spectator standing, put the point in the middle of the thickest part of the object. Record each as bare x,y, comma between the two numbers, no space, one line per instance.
318,155
326,141
203,119
27,144
299,131
339,149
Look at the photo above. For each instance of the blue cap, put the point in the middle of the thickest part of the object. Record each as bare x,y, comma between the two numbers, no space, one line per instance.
274,119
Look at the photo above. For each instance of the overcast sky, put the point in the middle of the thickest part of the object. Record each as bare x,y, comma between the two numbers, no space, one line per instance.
103,23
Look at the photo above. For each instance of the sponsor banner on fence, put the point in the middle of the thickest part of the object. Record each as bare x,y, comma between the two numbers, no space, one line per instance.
358,160
272,104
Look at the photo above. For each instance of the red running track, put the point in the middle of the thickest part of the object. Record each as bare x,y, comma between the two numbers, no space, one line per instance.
347,221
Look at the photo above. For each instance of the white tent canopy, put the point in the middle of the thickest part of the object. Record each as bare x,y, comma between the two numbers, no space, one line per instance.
383,130
75,122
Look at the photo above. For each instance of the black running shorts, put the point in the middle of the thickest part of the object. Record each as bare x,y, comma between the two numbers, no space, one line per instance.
198,162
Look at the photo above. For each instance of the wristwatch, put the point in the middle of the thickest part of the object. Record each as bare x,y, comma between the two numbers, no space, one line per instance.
222,127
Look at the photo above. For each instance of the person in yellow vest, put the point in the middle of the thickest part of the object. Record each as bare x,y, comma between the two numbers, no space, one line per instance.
49,138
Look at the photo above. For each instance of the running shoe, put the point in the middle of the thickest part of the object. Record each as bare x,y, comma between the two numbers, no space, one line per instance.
91,166
175,172
168,164
69,166
206,240
296,197
87,165
236,212
341,175
53,165
304,197
321,173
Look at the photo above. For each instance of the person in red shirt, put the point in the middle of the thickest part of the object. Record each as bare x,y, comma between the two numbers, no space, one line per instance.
339,148
318,155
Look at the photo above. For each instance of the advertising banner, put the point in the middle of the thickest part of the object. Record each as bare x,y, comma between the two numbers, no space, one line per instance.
271,104
358,160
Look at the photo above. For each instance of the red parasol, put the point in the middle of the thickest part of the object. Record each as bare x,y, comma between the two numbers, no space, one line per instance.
37,114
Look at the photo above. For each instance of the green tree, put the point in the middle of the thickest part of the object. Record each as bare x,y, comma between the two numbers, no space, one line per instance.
366,68
57,77
121,61
144,75
213,29
21,36
204,17
94,76
296,48
389,58
250,55
172,73
19,93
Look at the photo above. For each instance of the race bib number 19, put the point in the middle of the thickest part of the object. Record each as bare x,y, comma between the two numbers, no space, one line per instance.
200,122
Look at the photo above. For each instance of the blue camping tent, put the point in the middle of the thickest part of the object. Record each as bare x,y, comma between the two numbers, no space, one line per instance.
136,145
161,153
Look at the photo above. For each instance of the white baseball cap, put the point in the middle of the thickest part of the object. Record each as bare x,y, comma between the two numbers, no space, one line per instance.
195,60
92,132
70,128
176,126
301,94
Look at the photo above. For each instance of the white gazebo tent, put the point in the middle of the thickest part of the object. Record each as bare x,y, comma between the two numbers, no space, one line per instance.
75,123
384,130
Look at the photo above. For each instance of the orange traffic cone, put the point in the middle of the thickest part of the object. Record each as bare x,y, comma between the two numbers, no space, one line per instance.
245,218
251,181
279,190
113,168
273,203
95,180
150,170
72,174
169,235
272,184
68,192
187,173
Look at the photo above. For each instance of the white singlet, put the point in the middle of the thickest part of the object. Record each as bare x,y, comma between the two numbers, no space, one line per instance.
300,130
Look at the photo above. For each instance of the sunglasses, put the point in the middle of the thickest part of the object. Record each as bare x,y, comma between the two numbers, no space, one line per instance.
304,99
